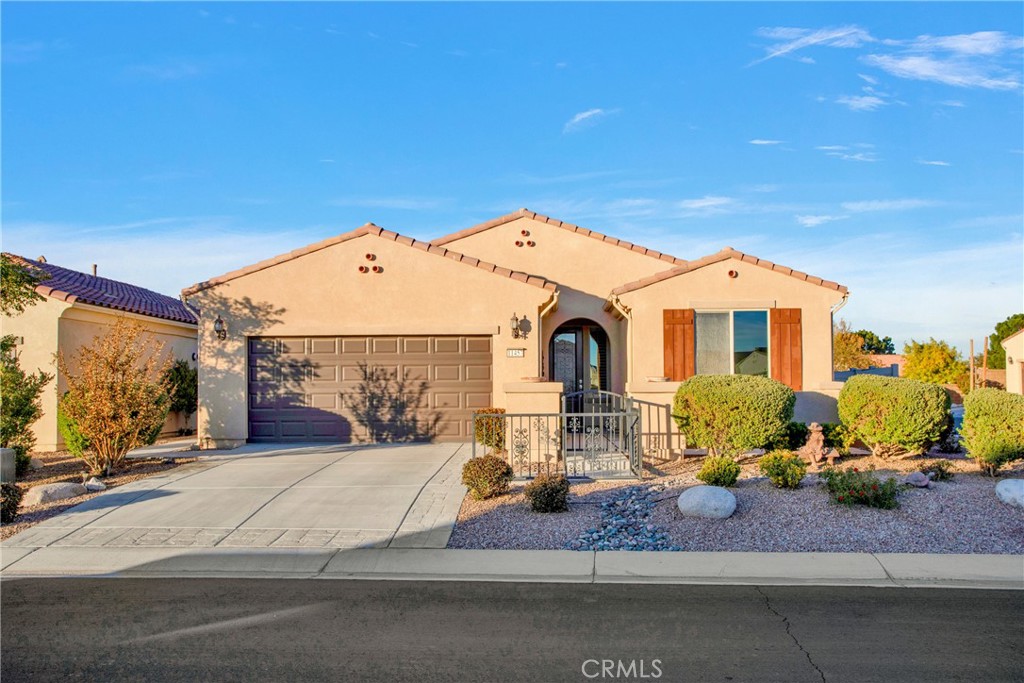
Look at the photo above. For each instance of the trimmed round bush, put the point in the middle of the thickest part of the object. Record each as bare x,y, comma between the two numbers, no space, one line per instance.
10,499
487,476
733,413
783,469
894,415
548,493
490,431
993,428
719,470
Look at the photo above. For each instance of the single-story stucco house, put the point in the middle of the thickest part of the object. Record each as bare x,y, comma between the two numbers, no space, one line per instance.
1014,347
77,307
511,313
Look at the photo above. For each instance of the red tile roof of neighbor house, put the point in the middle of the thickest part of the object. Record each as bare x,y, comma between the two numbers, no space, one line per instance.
376,231
526,213
72,286
726,253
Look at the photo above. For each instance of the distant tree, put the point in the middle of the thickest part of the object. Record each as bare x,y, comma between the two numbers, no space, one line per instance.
996,352
18,285
848,348
933,361
874,344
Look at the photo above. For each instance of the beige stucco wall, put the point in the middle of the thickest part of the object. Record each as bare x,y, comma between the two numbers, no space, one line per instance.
585,269
52,324
710,288
1014,346
322,293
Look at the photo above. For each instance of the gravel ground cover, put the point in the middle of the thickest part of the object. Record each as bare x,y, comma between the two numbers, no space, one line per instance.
61,466
958,516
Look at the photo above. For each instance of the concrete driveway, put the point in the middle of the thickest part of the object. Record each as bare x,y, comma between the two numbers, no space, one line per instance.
262,496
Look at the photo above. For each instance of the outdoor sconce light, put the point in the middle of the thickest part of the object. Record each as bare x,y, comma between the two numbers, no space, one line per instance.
518,330
220,328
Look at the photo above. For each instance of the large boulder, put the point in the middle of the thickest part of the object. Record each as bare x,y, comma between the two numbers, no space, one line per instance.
711,502
1011,492
47,493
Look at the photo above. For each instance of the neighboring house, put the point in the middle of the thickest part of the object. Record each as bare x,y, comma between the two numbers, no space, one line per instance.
77,308
591,311
1014,346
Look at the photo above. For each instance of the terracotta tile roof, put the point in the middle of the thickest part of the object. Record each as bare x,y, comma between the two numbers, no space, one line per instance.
526,213
376,231
727,253
72,286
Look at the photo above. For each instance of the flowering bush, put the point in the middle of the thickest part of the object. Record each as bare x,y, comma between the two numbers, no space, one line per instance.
853,487
720,470
783,469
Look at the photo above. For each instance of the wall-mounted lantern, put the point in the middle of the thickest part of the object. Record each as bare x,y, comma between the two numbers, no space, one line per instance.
519,327
220,328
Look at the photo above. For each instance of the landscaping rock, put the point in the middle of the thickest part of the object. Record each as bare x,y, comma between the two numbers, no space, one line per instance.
918,479
1011,492
625,524
95,484
35,464
711,502
47,493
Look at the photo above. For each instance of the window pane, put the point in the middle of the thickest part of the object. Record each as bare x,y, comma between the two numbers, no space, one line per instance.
595,365
750,330
712,337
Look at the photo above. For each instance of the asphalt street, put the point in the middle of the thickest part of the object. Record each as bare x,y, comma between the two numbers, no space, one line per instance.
347,630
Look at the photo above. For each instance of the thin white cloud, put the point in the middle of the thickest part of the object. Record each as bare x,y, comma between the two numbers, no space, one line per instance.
888,205
954,72
586,118
814,221
952,103
984,43
868,157
398,203
760,141
706,203
832,148
794,39
861,102
933,162
870,79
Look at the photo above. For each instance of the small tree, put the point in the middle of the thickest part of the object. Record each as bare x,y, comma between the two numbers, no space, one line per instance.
182,382
19,404
996,352
848,348
18,282
875,344
115,396
933,361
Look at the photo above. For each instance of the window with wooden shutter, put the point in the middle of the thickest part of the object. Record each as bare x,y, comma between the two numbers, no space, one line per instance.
679,344
787,347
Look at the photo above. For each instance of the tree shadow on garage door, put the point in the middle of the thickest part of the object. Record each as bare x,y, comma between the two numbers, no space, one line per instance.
390,407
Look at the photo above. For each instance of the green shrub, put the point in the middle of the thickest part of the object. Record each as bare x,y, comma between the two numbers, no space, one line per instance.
783,468
853,487
487,476
719,470
490,431
837,437
74,440
993,429
940,470
548,493
729,414
10,499
793,438
893,415
20,404
22,460
182,382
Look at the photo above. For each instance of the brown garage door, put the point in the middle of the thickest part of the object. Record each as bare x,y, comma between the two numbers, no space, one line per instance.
312,388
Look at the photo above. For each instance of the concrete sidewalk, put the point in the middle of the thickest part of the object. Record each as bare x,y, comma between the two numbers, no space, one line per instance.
560,566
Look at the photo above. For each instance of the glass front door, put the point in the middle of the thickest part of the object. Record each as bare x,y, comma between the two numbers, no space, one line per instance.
579,357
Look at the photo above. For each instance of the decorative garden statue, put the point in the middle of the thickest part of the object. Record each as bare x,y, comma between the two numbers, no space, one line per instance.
815,451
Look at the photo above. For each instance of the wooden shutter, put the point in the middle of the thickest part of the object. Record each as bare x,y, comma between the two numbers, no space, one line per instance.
787,347
680,349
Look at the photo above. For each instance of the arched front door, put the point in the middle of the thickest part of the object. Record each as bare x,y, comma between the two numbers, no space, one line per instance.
579,356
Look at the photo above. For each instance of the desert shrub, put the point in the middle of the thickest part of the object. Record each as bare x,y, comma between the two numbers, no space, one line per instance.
20,404
837,437
74,441
487,476
853,487
10,499
182,382
940,470
732,413
893,415
719,470
490,431
783,469
993,429
791,439
548,493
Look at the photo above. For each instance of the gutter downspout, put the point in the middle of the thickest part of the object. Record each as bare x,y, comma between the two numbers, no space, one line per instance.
626,312
549,307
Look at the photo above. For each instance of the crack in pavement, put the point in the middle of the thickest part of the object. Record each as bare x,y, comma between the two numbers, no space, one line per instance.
785,620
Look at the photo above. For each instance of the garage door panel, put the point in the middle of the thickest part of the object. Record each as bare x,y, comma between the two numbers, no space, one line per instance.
304,388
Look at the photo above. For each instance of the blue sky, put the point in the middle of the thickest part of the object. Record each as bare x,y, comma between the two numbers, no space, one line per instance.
876,144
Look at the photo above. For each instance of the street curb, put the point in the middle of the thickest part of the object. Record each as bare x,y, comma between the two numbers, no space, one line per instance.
881,570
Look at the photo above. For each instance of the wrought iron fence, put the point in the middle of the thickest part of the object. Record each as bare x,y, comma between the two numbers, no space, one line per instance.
661,440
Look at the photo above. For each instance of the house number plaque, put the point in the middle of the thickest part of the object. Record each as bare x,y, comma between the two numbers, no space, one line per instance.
516,353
